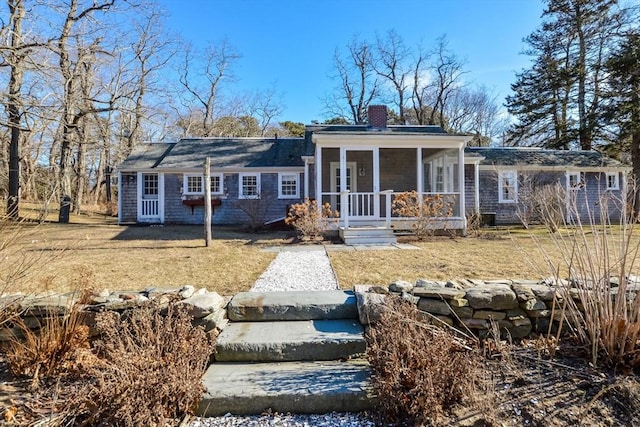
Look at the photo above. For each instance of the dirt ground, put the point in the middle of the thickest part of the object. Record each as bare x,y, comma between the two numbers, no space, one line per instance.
528,389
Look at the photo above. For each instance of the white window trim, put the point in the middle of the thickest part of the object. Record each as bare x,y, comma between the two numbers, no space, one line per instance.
501,176
185,185
617,180
258,189
288,196
221,176
580,180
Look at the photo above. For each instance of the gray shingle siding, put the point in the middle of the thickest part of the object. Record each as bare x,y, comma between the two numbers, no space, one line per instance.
588,200
129,197
232,210
469,188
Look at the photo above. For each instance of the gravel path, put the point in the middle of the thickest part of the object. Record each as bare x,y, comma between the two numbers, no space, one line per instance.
325,420
308,270
299,270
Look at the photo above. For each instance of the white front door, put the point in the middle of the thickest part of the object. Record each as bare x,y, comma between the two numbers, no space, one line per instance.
149,191
350,184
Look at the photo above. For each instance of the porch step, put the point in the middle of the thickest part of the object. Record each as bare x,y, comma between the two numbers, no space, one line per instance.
296,387
292,305
368,236
288,341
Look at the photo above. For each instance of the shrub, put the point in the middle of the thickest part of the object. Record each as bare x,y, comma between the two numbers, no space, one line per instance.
419,370
424,210
51,349
149,368
604,308
309,220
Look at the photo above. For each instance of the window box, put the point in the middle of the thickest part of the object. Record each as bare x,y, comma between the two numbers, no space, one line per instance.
200,202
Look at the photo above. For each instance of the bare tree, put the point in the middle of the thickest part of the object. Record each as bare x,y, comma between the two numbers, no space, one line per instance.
218,60
393,65
358,84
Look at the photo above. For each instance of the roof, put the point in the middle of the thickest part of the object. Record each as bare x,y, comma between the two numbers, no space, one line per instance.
237,153
513,156
366,129
146,156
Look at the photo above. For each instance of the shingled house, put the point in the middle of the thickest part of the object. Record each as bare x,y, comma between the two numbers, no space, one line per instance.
358,167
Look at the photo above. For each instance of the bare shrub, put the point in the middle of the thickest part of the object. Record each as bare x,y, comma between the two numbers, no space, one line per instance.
309,219
474,224
419,370
149,368
603,309
51,349
425,210
256,208
541,202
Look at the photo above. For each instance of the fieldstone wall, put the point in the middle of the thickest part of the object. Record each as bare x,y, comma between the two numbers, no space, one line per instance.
517,307
207,308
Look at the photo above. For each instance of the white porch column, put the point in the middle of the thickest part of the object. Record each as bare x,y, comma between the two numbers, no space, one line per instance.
306,178
376,182
344,207
319,176
419,170
461,188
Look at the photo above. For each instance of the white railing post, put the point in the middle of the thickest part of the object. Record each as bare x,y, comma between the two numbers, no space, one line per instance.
387,207
344,207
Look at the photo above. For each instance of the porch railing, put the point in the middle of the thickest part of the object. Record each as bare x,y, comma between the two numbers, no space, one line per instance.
362,205
150,208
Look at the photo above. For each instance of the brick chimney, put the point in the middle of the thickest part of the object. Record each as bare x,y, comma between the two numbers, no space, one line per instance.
378,116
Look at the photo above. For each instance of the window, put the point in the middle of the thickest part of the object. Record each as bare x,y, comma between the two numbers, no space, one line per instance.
612,181
575,180
507,186
249,186
216,184
288,185
150,182
193,184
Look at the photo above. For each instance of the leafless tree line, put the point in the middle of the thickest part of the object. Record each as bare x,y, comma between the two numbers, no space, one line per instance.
84,81
424,86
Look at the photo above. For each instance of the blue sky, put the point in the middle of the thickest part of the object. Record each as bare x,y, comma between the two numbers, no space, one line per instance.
290,43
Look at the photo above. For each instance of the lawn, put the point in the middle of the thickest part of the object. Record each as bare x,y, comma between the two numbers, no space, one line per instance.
93,251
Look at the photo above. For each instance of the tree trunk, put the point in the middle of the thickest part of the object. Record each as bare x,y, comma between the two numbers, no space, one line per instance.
17,10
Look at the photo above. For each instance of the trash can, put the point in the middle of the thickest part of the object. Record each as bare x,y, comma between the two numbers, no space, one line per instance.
65,209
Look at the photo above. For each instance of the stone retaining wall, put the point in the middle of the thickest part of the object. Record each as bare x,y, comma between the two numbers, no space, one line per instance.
207,308
518,307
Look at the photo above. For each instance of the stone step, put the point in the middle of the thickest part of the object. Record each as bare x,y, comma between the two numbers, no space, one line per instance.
292,305
287,341
296,387
370,240
368,236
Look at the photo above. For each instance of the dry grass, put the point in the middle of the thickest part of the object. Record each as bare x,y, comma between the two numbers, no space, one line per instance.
120,258
497,254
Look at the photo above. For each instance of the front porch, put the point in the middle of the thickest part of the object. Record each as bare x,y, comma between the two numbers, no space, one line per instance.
360,176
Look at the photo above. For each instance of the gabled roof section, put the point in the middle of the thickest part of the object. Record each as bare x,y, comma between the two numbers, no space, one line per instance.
146,156
366,129
532,157
237,153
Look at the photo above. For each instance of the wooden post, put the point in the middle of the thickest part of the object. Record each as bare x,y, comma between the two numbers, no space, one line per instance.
207,201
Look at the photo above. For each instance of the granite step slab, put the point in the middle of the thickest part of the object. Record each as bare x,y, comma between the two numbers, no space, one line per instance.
295,387
292,305
289,341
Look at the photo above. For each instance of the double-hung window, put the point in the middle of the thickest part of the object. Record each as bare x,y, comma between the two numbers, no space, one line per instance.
288,185
507,186
612,181
575,180
192,184
249,186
